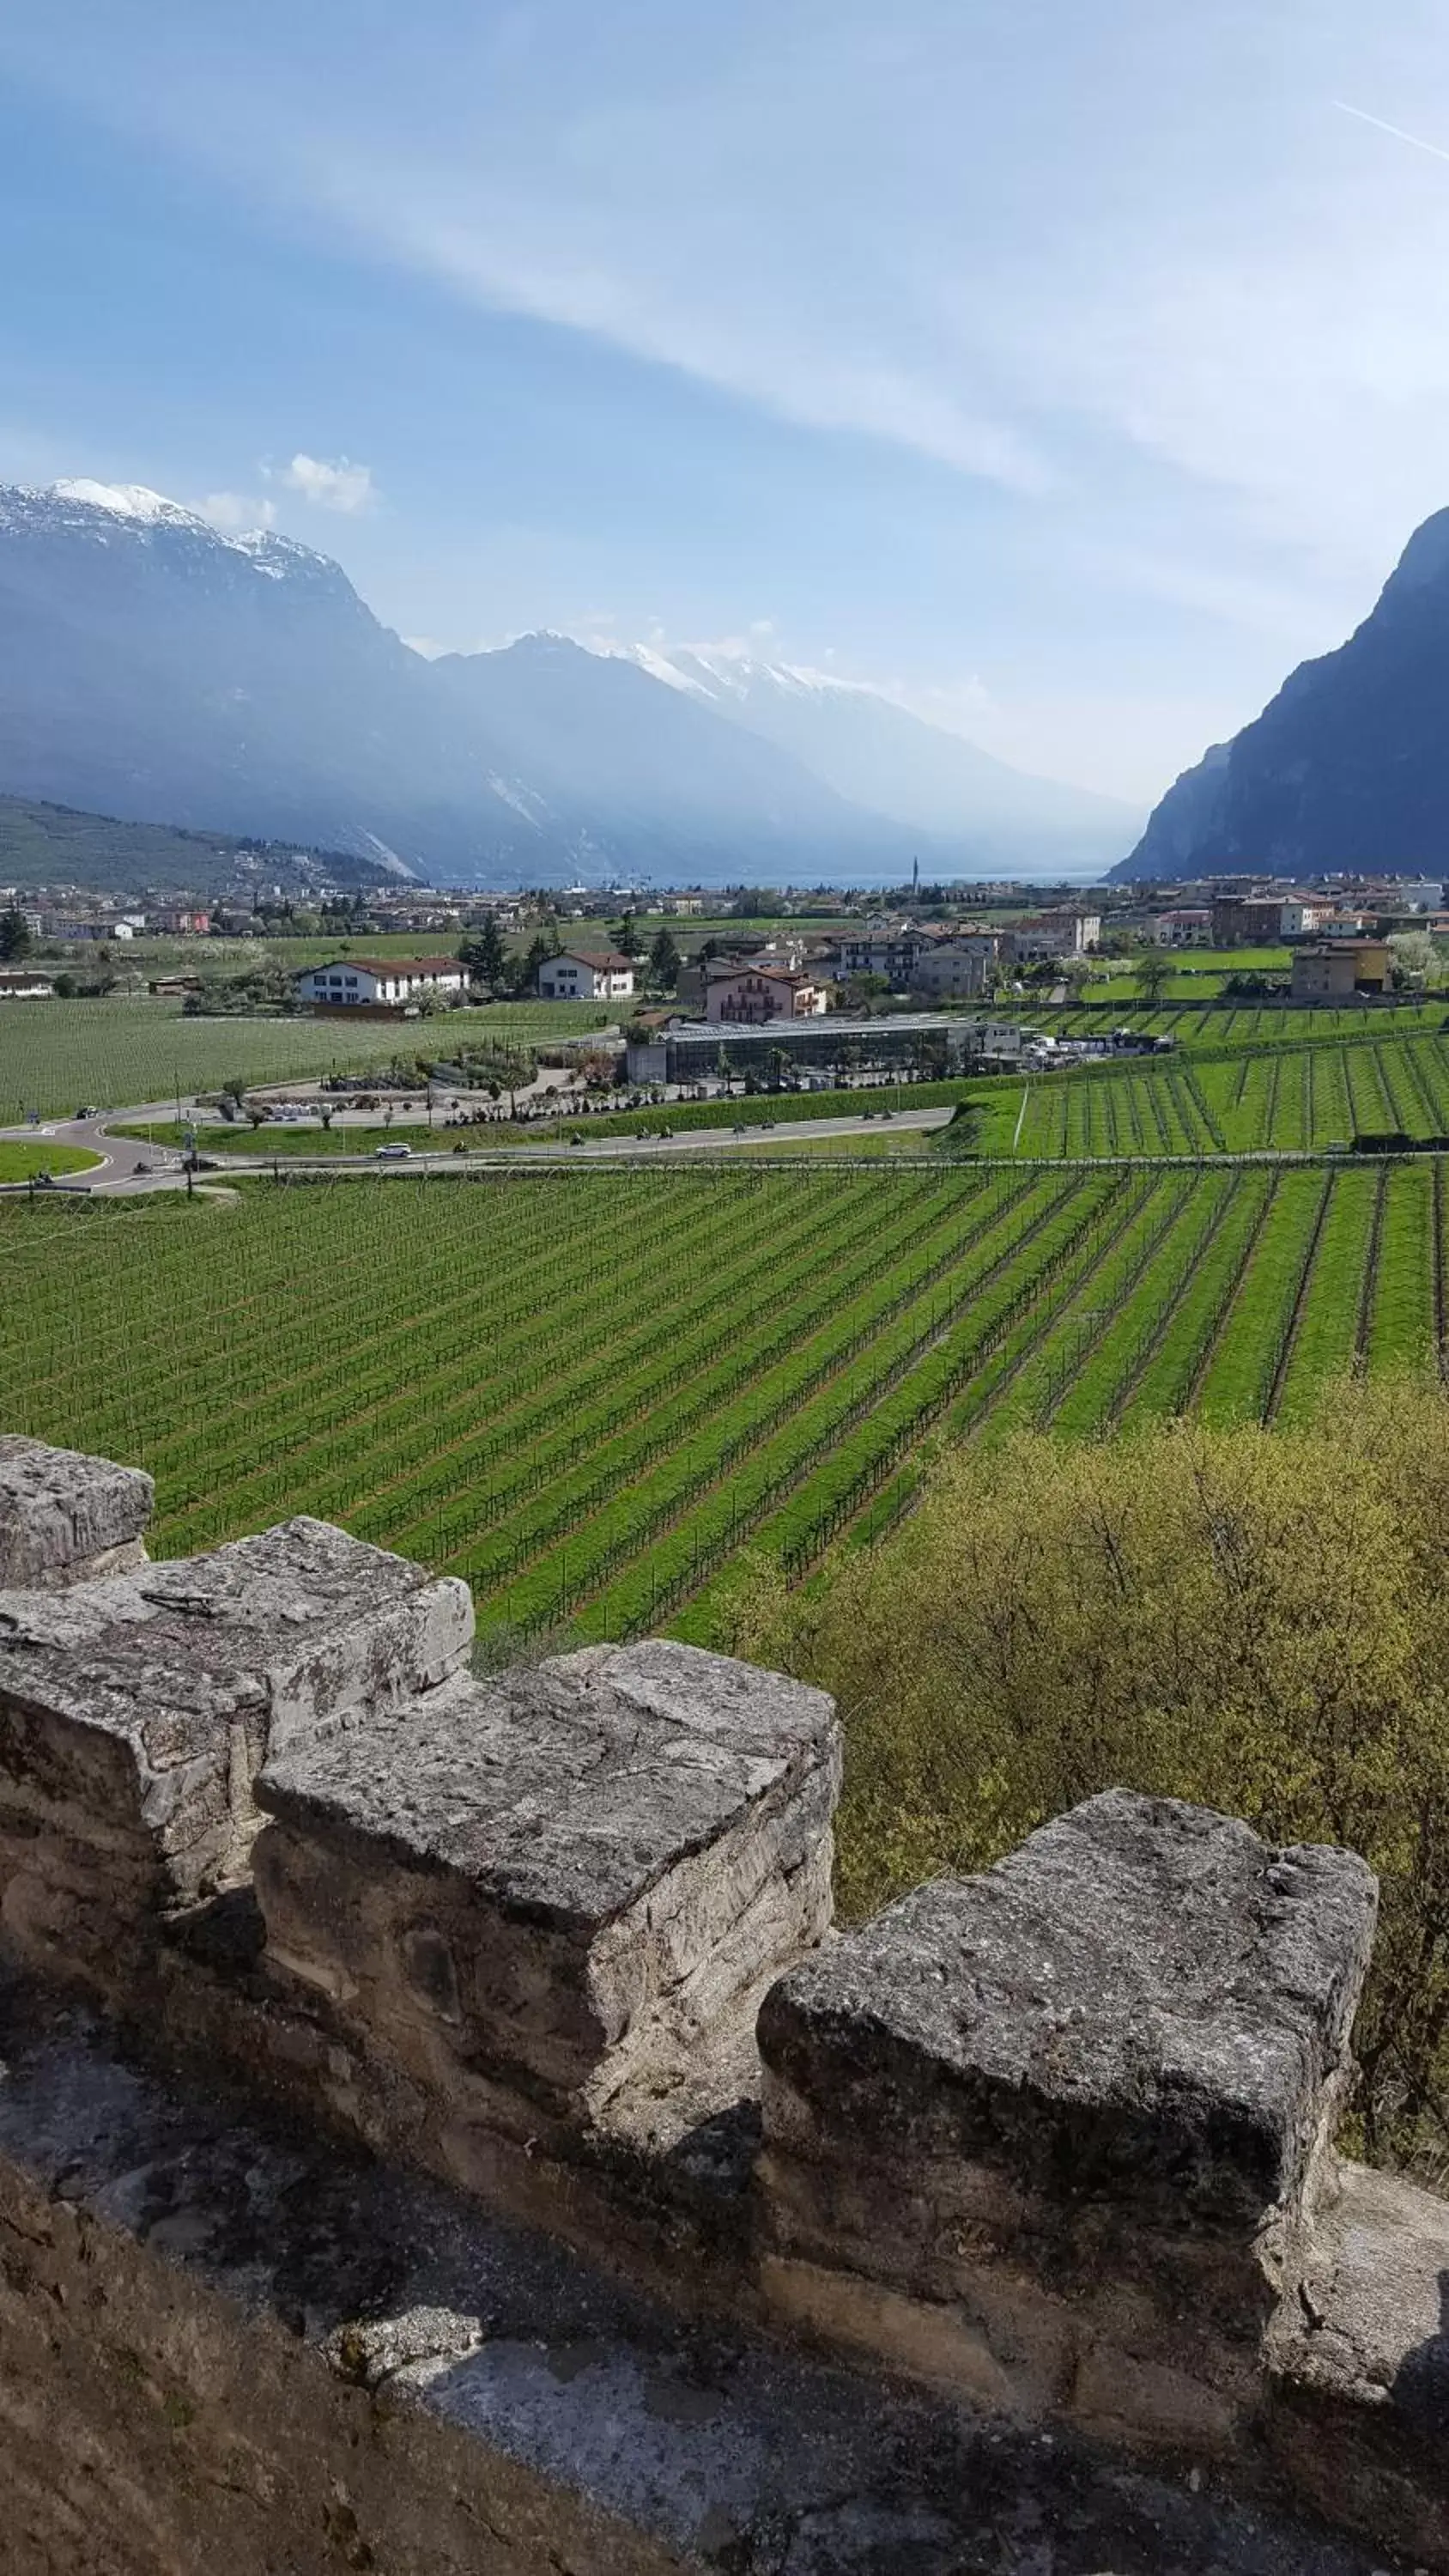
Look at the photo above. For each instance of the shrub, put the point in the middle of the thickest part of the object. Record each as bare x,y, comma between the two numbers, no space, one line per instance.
1255,1620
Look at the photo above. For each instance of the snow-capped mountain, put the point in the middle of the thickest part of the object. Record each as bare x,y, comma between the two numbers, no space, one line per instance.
158,668
881,756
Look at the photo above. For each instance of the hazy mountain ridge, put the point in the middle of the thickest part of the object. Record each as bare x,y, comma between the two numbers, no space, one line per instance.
158,668
53,845
1348,766
881,756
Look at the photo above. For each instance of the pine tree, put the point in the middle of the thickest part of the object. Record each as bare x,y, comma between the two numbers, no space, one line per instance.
664,960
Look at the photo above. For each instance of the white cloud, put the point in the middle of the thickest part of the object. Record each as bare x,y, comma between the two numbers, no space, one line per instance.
237,510
1132,268
329,483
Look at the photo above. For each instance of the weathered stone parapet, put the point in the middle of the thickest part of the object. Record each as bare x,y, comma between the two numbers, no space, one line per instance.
1053,2143
228,2344
1056,2131
1358,2410
556,1898
136,1712
65,1518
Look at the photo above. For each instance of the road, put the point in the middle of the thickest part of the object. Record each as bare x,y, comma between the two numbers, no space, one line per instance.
128,1167
124,1166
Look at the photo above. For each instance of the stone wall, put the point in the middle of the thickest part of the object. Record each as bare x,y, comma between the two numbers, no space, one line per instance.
685,2232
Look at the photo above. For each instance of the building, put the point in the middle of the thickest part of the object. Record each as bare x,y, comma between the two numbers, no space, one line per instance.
22,984
1302,915
580,975
1334,970
1247,920
1047,935
388,982
1182,926
692,1051
891,954
956,969
180,921
750,996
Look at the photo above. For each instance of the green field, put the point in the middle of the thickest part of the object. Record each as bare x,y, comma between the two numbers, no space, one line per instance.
588,1392
21,1161
116,1053
1283,1097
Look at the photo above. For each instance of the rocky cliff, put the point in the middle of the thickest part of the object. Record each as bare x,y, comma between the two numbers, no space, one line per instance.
1348,766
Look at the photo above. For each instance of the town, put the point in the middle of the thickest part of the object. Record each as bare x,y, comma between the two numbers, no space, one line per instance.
724,1291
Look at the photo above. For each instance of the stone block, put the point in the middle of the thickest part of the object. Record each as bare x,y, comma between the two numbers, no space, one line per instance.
1105,2067
544,1888
1359,2396
66,1518
136,1712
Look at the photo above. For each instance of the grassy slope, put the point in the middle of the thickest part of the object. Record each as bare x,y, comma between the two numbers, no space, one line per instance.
44,844
54,1055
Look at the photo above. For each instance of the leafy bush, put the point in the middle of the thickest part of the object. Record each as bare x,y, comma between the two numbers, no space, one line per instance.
1255,1620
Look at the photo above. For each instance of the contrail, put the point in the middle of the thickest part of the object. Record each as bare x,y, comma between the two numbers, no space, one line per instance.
1397,131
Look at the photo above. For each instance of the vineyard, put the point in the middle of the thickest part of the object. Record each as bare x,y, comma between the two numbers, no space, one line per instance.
588,1392
1270,1097
116,1053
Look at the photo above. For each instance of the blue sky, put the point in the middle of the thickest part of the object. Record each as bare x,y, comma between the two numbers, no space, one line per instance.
1069,371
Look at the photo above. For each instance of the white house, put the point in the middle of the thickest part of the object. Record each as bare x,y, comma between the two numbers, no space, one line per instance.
388,980
576,975
1052,934
20,984
1302,915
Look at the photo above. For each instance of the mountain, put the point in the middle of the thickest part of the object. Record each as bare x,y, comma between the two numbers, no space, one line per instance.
53,845
1347,767
162,670
649,778
880,756
155,668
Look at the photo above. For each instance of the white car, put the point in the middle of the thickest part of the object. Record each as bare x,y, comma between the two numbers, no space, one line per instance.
394,1153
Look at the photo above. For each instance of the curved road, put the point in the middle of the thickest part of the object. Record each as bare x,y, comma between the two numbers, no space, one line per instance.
124,1164
128,1166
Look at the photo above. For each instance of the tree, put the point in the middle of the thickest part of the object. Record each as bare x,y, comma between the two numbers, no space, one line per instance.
1415,957
526,966
626,937
777,1066
863,991
1256,1620
15,940
1151,975
664,960
484,954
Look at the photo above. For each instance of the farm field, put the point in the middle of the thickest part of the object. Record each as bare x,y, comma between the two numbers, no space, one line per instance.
20,1160
589,1392
1235,1024
1193,973
54,1055
1287,1098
